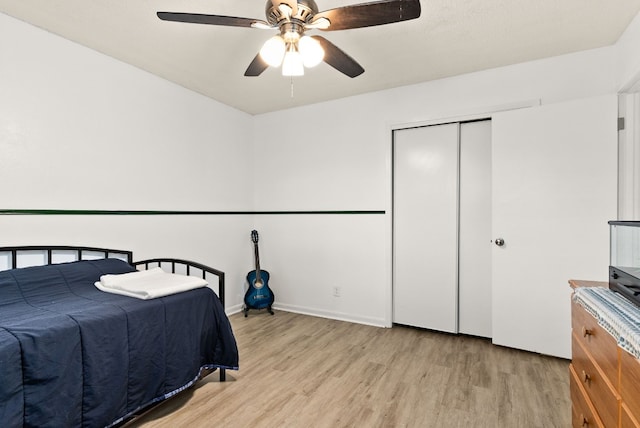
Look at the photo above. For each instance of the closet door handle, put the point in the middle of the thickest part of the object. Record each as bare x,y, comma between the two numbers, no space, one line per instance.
499,242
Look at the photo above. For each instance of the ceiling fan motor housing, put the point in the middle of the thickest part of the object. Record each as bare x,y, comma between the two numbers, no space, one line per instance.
305,11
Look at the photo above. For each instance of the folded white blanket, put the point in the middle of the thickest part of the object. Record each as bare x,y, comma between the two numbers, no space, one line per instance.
114,280
148,284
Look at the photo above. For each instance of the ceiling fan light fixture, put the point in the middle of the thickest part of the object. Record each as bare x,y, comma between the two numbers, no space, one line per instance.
292,64
311,51
273,51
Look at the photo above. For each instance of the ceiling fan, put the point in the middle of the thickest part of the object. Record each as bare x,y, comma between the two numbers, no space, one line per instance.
292,48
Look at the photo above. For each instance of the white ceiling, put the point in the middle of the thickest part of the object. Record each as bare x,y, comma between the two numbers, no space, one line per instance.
450,38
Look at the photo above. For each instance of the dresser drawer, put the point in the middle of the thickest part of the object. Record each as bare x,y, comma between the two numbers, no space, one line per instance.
630,382
597,341
598,389
628,421
583,415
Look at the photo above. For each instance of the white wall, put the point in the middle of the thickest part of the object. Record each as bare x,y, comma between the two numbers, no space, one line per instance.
340,155
628,82
67,112
79,130
627,63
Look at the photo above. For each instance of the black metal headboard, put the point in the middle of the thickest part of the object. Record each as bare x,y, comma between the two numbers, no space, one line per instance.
38,255
10,257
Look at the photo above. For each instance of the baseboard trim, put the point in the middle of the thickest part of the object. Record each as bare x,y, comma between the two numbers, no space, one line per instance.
338,316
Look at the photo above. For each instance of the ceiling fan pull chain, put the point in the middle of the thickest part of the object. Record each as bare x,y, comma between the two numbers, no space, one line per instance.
291,86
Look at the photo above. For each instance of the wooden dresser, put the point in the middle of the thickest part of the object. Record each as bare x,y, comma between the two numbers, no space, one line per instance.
604,378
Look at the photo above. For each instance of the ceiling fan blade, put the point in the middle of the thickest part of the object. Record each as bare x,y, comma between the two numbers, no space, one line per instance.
370,14
338,59
256,67
196,18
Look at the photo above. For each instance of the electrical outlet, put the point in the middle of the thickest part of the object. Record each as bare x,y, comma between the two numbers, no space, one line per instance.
336,291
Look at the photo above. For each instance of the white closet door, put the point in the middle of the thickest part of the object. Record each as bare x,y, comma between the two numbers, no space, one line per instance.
425,223
474,282
554,189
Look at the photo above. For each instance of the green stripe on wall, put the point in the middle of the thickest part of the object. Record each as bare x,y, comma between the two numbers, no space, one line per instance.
141,212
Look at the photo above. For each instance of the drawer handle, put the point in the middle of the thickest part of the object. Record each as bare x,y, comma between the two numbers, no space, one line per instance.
585,377
586,332
585,421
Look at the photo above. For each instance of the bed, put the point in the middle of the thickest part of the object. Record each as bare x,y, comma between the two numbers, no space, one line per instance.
72,355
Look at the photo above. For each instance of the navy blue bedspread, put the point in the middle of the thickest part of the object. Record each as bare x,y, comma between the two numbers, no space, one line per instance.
74,356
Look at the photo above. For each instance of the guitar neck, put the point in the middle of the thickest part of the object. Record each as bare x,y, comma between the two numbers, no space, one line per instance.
257,255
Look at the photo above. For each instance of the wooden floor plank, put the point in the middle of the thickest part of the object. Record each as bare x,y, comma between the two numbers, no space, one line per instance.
302,371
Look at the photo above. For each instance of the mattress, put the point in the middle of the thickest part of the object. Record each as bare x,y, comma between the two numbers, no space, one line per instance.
71,355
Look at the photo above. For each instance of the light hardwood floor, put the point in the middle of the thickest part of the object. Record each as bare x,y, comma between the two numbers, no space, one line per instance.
302,371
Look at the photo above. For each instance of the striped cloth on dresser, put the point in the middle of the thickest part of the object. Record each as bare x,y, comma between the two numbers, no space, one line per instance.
614,313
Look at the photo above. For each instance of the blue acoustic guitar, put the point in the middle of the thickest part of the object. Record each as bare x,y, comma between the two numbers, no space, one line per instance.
258,295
